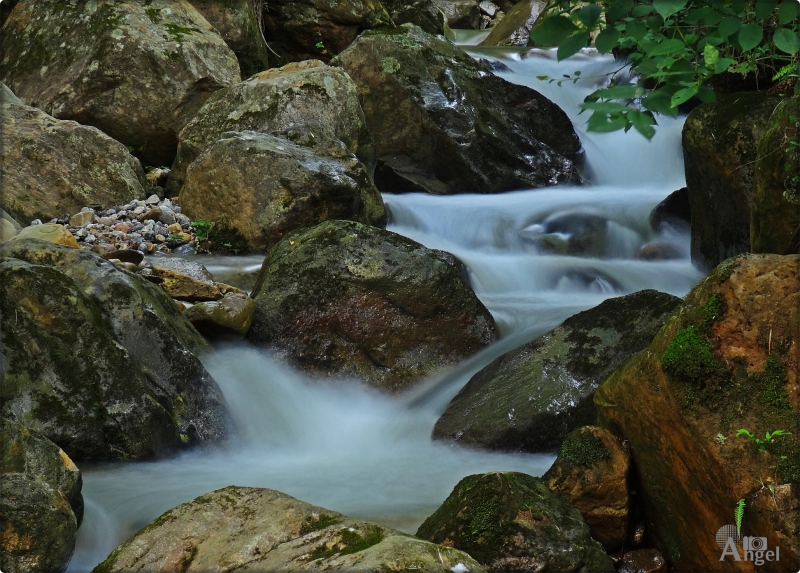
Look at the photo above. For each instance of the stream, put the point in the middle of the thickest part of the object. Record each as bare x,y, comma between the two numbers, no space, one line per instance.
370,456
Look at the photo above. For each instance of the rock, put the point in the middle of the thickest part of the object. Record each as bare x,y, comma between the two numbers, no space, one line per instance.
515,28
460,14
229,317
257,187
7,96
509,521
8,226
719,152
529,399
591,474
82,219
39,527
185,280
50,232
239,26
578,233
126,256
423,13
299,30
99,360
775,207
346,299
642,561
659,251
138,71
421,97
249,529
51,167
673,211
729,359
301,102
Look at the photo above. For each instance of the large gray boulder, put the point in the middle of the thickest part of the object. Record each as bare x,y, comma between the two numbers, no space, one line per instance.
255,188
99,360
257,530
346,299
510,521
529,399
303,102
139,71
443,123
50,168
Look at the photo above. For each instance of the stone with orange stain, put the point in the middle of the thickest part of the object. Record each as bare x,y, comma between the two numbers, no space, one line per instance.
690,466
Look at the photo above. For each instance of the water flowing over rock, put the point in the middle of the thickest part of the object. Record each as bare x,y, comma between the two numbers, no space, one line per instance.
719,150
591,473
255,188
238,24
346,299
529,399
41,505
51,167
138,71
515,28
99,360
302,102
729,359
510,521
249,529
775,215
444,124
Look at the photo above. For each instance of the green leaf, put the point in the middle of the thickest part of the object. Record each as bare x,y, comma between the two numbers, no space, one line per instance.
589,14
625,91
552,31
786,41
750,36
605,106
641,10
764,8
671,46
636,30
668,7
723,64
659,101
643,122
572,45
788,11
682,96
738,6
710,56
730,25
618,9
606,40
706,95
600,122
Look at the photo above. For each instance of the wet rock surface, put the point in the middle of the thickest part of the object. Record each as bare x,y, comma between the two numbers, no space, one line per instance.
515,28
226,318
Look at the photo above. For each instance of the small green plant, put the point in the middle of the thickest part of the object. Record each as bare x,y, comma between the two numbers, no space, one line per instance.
201,229
739,514
768,437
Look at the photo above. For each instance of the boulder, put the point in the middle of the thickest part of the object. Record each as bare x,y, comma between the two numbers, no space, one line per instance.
249,530
775,213
642,561
443,123
515,28
185,280
257,187
99,360
231,316
423,13
591,473
674,211
302,102
50,232
529,399
719,153
299,30
50,167
510,521
240,27
728,360
7,96
346,299
39,527
460,14
139,71
8,226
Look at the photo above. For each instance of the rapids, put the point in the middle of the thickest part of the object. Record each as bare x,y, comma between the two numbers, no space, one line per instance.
369,456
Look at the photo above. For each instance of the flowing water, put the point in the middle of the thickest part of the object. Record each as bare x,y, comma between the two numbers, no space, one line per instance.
369,456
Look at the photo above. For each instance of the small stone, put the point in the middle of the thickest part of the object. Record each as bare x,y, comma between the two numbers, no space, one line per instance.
225,289
161,238
125,256
36,222
54,221
186,280
105,221
124,227
103,249
186,249
138,210
90,239
181,306
175,228
122,214
489,8
151,215
167,216
152,200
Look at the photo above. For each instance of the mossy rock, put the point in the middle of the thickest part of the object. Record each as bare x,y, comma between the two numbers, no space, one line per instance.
443,123
729,359
509,521
529,399
139,71
775,218
515,28
346,299
98,359
249,529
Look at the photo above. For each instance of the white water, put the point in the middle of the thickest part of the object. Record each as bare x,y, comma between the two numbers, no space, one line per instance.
369,456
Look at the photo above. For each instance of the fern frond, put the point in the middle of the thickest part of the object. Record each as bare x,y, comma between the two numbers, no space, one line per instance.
739,513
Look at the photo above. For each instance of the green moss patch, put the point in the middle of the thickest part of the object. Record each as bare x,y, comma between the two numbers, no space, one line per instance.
350,541
315,522
689,358
583,448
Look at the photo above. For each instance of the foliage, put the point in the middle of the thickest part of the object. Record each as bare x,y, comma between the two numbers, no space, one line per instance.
768,437
739,514
201,229
675,47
